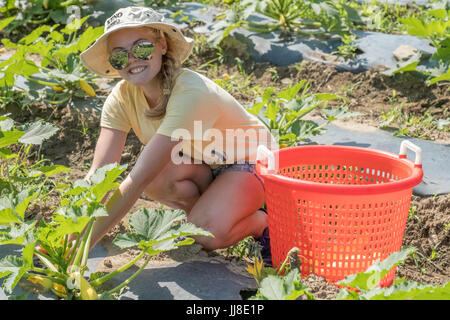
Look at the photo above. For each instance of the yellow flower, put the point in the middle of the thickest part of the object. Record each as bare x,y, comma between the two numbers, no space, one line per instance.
226,76
256,269
59,290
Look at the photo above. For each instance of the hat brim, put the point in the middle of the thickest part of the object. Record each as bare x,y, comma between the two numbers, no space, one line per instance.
96,57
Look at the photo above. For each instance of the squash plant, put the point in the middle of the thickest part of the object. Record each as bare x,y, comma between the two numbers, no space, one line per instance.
62,267
60,75
283,112
38,12
367,283
435,27
285,283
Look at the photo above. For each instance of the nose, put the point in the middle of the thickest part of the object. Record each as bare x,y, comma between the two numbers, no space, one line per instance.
131,58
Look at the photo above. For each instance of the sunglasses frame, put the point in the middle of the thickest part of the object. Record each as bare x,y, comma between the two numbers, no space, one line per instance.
121,66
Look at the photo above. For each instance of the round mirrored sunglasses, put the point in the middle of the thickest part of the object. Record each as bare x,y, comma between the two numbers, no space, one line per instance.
142,50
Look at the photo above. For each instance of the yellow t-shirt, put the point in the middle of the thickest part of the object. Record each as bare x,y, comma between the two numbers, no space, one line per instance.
214,127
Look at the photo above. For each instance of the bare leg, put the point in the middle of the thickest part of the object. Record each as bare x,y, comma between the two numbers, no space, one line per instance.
180,186
229,210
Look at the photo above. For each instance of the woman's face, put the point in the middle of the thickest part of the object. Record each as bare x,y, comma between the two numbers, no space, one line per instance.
138,72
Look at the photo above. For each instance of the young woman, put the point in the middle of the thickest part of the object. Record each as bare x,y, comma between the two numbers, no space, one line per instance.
190,127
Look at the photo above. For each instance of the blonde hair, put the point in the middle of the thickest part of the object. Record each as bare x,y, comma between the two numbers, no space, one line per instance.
169,68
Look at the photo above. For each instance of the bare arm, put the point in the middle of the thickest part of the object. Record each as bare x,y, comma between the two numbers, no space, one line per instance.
108,150
156,154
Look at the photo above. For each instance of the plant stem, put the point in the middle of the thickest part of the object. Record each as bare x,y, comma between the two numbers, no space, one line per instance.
87,246
101,280
46,260
72,254
123,284
66,3
82,247
46,271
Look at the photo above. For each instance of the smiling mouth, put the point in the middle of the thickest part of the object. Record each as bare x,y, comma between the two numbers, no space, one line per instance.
136,70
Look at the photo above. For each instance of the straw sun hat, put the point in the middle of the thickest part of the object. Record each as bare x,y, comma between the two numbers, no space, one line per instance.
95,58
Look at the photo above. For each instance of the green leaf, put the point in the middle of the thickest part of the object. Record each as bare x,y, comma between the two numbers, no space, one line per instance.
7,216
370,278
69,225
438,13
305,128
35,34
7,211
409,291
8,138
152,223
415,27
6,154
59,15
51,170
442,123
405,66
444,77
331,114
56,36
272,111
184,229
292,91
288,287
78,187
158,230
272,288
22,201
326,96
4,22
127,240
352,14
28,253
38,132
74,25
20,234
104,179
88,37
6,124
12,268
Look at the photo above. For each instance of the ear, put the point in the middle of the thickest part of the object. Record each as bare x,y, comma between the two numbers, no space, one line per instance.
163,43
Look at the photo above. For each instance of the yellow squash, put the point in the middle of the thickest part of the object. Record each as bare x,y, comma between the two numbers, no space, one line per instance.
87,88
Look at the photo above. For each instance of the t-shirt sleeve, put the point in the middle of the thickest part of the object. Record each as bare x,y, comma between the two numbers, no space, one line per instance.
186,107
114,115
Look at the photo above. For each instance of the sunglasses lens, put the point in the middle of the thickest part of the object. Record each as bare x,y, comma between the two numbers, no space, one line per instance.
119,59
143,50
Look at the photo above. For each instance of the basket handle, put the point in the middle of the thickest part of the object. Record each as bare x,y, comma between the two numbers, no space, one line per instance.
262,152
406,144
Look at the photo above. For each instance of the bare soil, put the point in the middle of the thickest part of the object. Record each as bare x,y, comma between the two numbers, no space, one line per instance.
369,93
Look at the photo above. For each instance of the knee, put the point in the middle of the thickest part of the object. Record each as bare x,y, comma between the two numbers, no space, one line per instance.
184,189
220,234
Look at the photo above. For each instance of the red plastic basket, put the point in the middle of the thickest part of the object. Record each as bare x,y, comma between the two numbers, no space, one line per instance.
343,207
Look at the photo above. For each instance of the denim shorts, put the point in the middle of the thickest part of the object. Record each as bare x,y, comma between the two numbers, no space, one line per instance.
243,167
